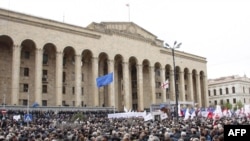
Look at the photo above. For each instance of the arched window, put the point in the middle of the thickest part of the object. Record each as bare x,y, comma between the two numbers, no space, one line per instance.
227,91
220,91
158,72
233,89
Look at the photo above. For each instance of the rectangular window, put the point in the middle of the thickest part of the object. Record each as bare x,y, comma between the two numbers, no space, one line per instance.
82,77
176,76
26,54
134,95
234,100
167,95
45,58
64,61
64,89
26,71
44,102
185,76
157,84
158,95
25,102
135,106
64,76
221,102
25,87
134,84
73,90
45,76
63,102
82,91
45,89
227,100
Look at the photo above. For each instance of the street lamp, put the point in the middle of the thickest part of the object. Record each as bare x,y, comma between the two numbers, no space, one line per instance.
28,100
28,105
175,85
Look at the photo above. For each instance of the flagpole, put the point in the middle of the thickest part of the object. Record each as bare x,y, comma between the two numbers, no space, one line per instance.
114,90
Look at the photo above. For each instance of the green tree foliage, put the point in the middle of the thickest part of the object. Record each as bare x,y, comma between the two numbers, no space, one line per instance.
238,105
228,106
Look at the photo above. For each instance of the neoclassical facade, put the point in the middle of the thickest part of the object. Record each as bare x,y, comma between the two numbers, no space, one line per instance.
229,89
57,64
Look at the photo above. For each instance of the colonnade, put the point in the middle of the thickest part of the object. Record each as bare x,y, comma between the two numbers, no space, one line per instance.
186,86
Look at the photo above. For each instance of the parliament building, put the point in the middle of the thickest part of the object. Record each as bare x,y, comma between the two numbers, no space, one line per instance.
56,64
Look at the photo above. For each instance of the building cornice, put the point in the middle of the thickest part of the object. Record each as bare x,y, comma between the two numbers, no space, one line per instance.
127,30
46,23
184,55
228,80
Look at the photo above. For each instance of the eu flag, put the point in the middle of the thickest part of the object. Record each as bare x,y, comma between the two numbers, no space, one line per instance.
104,80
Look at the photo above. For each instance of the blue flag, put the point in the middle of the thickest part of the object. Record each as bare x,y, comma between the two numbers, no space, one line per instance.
104,80
35,104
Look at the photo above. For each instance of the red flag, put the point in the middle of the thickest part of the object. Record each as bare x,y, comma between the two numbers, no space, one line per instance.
210,115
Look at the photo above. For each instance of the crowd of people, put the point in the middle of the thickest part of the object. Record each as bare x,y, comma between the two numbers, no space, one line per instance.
96,126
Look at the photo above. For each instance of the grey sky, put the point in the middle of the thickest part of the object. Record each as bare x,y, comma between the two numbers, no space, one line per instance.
218,30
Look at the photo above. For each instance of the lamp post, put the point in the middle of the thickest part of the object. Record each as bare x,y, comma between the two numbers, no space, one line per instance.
28,98
175,85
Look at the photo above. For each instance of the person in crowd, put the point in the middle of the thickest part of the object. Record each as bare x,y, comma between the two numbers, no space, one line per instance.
95,125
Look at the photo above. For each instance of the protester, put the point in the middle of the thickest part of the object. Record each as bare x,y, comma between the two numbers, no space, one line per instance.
96,125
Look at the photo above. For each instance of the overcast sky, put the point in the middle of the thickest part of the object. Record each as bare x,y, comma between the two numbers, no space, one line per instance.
218,30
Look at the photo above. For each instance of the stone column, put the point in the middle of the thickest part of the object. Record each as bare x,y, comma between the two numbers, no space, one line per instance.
140,87
78,79
38,76
163,79
59,74
190,87
182,87
172,86
111,87
206,104
127,95
15,74
198,89
152,82
94,76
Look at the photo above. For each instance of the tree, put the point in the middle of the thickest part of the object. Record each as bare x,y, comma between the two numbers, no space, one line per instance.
228,105
238,105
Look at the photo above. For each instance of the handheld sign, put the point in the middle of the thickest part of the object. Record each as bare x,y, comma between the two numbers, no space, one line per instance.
27,117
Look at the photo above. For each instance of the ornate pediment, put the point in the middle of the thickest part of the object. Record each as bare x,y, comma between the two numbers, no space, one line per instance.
128,29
